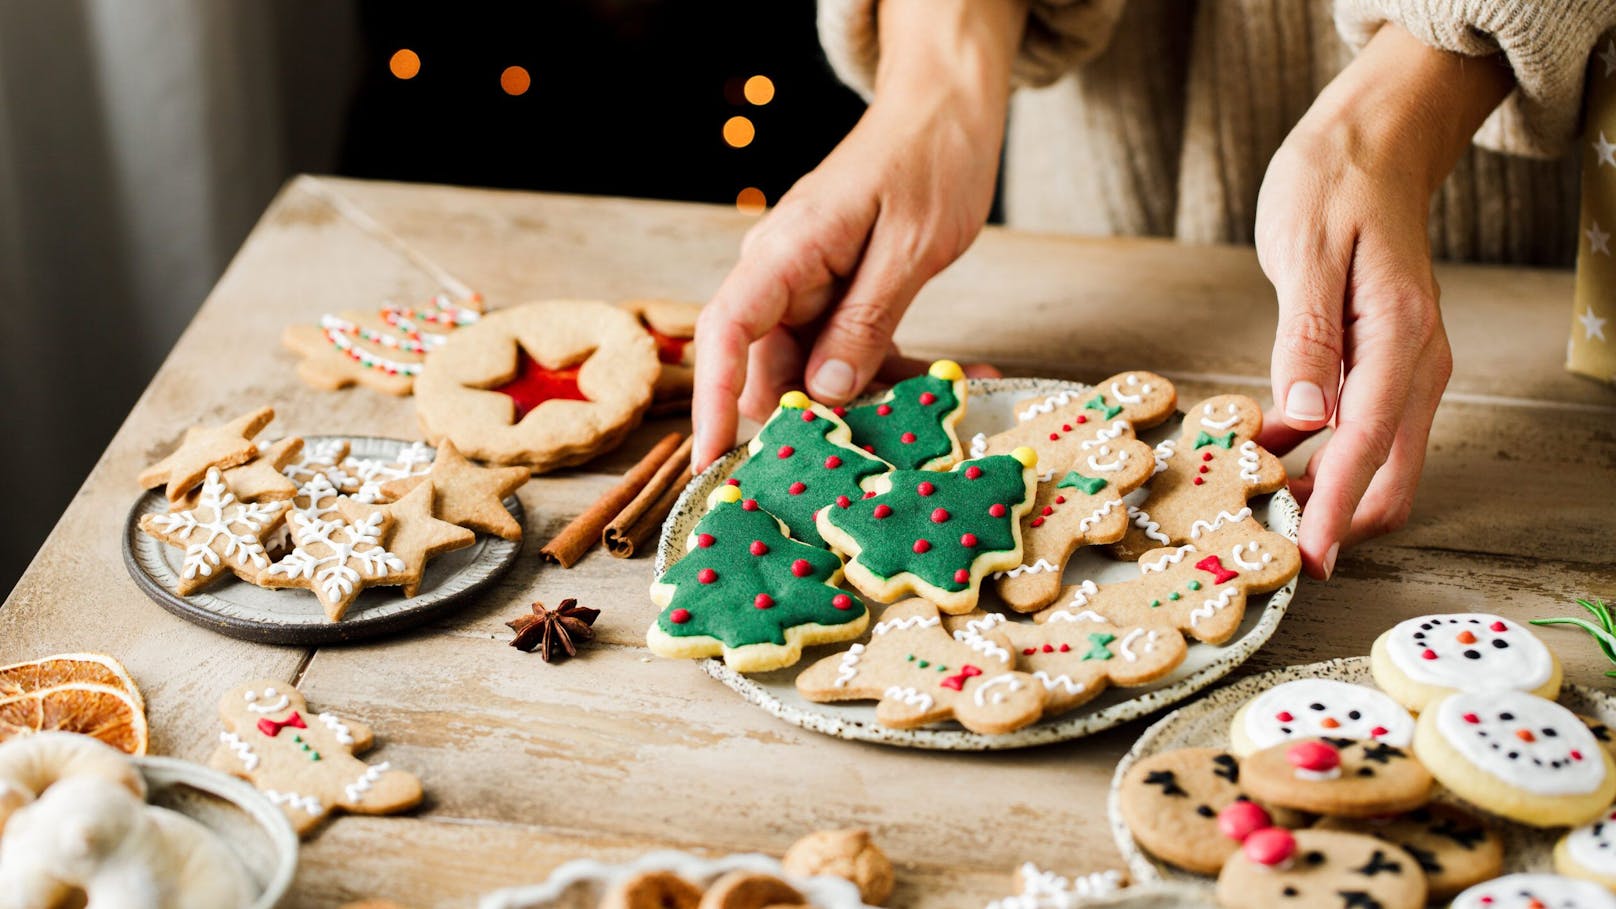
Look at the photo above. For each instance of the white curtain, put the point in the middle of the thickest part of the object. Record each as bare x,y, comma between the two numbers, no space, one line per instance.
139,141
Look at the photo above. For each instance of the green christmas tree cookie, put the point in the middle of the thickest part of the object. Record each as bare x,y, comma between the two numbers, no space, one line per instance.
936,533
746,590
802,460
912,426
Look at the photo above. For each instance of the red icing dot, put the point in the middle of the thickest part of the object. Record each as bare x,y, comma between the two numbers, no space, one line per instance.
843,501
962,576
807,416
797,488
1049,648
927,399
884,409
679,616
759,548
839,411
1203,469
704,540
972,472
1497,626
733,482
882,510
870,449
1048,510
1269,846
1239,820
1284,716
1377,732
997,510
1315,756
1427,654
1028,651
1066,427
1207,456
801,568
832,462
1060,500
749,505
786,451
763,601
907,438
1037,522
1199,480
842,601
939,515
869,495
925,488
706,575
968,540
1471,718
1065,648
1081,419
1054,437
921,546
1576,755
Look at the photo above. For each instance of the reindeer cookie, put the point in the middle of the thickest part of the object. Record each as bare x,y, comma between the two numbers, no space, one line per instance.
1076,659
1453,847
1198,588
1080,506
1338,777
1204,477
1172,802
305,762
1057,425
1319,869
921,674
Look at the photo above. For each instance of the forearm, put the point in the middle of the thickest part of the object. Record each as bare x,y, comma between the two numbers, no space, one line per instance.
961,50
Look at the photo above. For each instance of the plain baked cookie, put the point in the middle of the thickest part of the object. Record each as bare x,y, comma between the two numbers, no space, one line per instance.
1320,869
1454,848
1421,659
1170,802
1516,755
1319,708
1338,777
1589,851
1535,891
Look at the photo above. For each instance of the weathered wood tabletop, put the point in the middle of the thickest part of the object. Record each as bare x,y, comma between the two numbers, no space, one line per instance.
528,765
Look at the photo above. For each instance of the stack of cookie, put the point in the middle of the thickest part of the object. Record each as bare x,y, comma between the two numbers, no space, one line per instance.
887,488
316,517
1331,791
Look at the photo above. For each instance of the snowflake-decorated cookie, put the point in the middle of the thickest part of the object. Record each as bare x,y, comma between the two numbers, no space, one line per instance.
922,674
1517,755
1421,659
912,426
1319,708
935,533
219,534
749,592
1535,891
335,560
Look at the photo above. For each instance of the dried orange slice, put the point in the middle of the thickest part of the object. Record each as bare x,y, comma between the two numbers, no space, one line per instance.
67,669
106,713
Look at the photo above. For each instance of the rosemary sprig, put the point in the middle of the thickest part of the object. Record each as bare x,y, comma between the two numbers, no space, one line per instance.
1604,633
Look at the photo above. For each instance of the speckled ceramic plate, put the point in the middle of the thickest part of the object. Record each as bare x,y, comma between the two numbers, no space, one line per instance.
990,410
238,609
1205,724
238,814
584,883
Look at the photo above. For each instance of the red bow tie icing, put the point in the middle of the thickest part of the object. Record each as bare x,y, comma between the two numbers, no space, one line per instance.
535,384
271,728
1215,565
957,682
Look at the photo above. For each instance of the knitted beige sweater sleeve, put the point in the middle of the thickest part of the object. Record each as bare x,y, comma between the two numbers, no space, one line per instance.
1060,34
1547,43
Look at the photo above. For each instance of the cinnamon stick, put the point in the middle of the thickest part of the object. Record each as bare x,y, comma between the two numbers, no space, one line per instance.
642,517
568,546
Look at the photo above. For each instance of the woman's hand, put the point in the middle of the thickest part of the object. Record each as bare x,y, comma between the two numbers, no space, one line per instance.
1341,233
824,278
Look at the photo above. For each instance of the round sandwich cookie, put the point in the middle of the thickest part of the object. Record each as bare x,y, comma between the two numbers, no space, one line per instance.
1319,708
1518,756
1319,869
1424,658
1455,849
1589,851
1171,803
1338,777
1535,891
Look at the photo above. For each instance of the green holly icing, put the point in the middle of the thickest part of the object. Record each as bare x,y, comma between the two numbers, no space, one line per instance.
1098,403
934,524
745,581
1097,646
798,470
906,428
1087,485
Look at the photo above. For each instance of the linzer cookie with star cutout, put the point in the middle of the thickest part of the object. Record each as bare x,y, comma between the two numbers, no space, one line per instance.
672,325
1516,755
1455,849
1421,659
1171,803
1338,777
1204,478
1319,869
541,385
1319,708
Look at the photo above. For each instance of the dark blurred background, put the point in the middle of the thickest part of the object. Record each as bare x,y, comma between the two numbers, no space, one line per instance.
140,140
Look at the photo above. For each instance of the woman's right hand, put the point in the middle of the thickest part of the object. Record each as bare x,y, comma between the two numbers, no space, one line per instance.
825,276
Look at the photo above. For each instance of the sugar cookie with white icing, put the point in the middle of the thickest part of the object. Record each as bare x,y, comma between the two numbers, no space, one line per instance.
1319,708
1421,659
1535,891
1589,851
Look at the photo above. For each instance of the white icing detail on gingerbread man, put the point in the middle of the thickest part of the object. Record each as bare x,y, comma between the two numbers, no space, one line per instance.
1047,405
1144,522
1249,462
1037,567
1125,398
909,696
337,728
1217,523
1210,607
1087,615
240,749
251,697
1131,638
1171,558
1219,425
1098,515
356,790
904,624
1163,452
988,692
307,804
848,670
1249,564
972,636
1111,466
1060,682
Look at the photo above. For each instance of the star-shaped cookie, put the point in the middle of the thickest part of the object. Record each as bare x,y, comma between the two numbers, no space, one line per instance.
258,480
417,536
335,560
468,493
205,447
217,532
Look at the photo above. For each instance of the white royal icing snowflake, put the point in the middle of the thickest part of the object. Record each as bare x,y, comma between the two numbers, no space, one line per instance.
336,556
364,476
217,515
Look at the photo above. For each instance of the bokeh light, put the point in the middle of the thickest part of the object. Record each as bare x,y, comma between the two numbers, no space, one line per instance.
739,132
405,63
515,80
759,90
751,201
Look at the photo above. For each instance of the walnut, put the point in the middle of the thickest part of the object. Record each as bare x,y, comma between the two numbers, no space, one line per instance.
847,854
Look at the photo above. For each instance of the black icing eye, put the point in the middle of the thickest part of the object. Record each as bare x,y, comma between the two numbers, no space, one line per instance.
1205,811
1366,771
1354,715
1506,716
1549,731
1315,706
1472,654
1289,891
1500,643
1242,798
1314,858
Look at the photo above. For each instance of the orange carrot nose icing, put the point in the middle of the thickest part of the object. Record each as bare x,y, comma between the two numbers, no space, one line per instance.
1525,735
1466,637
1330,722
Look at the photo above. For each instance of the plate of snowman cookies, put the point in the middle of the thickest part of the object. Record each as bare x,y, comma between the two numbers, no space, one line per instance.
981,564
1452,764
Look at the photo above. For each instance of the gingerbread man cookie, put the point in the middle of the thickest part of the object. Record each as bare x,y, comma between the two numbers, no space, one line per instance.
1204,477
1319,869
305,762
1199,588
921,674
1080,506
1056,425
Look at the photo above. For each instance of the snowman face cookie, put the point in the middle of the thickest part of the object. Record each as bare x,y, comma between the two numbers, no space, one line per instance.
1589,851
1421,659
1535,891
1319,708
1529,743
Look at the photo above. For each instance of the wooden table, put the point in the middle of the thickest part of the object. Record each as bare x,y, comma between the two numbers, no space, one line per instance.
528,765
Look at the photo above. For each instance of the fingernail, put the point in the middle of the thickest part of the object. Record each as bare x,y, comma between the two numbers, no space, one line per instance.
1305,401
833,381
1329,560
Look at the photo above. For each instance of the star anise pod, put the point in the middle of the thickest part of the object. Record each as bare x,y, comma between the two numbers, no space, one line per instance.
554,632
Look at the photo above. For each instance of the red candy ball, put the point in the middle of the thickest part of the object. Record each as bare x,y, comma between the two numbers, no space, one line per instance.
801,568
843,501
763,601
797,488
962,576
972,472
939,515
749,505
925,488
842,601
922,546
884,409
679,616
832,462
1269,846
839,411
759,548
706,575
968,540
1239,820
997,510
807,416
704,540
907,438
786,451
927,399
1317,757
882,510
